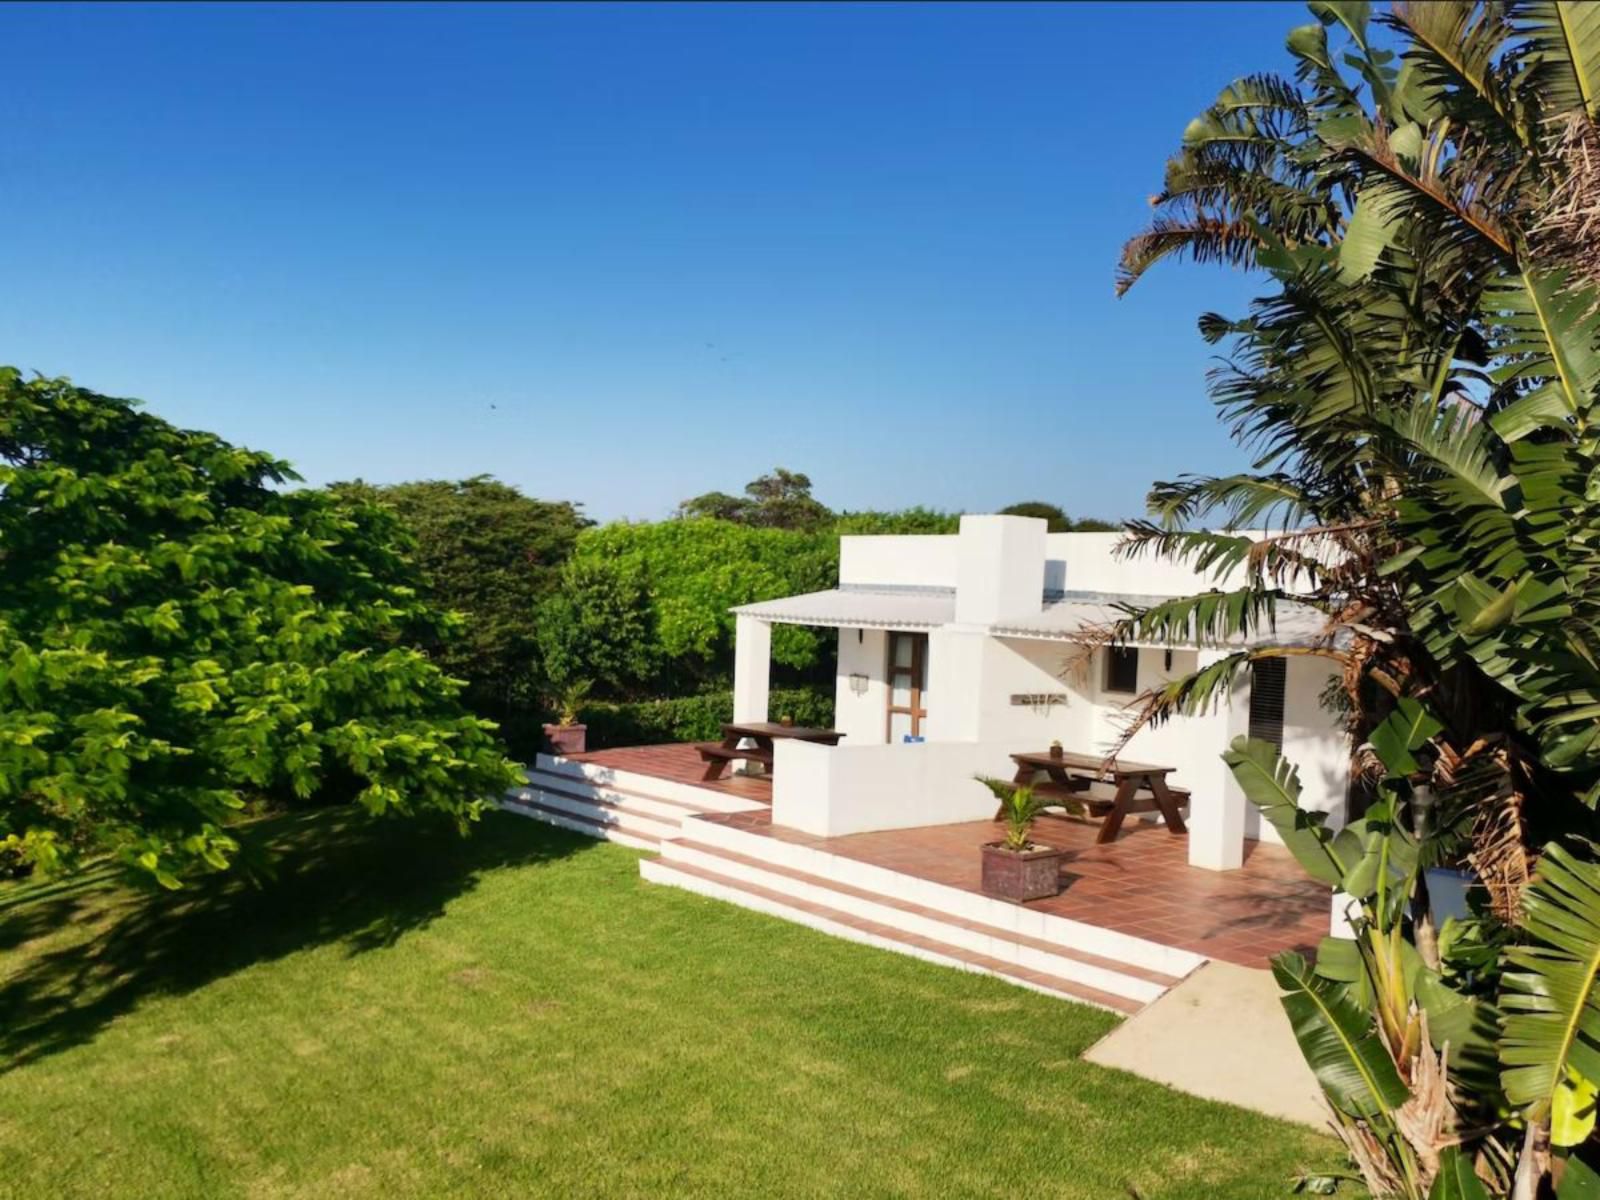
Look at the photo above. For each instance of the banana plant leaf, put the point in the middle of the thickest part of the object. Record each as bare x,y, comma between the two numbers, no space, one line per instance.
1338,1041
1579,1180
1272,784
1403,731
1550,1040
1455,1180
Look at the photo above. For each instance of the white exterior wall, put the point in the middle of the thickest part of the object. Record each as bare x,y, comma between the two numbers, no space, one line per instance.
955,669
1000,569
1314,742
899,560
862,718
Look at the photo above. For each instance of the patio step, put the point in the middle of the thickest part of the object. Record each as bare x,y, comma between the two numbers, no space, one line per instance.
641,814
1075,937
564,772
839,923
1110,976
634,814
609,831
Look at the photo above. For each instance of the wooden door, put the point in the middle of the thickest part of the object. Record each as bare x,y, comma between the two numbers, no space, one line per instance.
908,681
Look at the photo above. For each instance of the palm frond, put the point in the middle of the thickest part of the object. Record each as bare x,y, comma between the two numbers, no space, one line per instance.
1458,51
1563,55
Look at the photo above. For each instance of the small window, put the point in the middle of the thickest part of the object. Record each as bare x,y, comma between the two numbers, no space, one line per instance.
1122,669
1267,677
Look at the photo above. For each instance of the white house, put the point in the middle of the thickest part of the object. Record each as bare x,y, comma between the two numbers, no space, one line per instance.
976,643
979,646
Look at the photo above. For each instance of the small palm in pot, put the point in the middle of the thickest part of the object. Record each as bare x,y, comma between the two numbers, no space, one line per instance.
1016,868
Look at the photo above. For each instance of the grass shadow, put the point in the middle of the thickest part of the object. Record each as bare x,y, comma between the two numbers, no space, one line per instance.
339,876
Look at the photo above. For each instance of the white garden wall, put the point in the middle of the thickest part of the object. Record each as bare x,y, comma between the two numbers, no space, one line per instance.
829,791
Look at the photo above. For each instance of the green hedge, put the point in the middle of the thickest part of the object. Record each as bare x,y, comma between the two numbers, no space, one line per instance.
692,718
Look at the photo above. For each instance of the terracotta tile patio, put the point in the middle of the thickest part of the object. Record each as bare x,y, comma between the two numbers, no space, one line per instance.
679,762
1141,884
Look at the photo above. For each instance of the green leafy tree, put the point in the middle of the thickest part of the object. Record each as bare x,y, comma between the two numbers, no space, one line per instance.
599,627
492,554
780,500
905,520
1419,390
178,634
1057,519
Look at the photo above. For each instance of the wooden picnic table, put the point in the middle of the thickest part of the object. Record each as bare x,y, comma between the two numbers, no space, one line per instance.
1109,789
717,756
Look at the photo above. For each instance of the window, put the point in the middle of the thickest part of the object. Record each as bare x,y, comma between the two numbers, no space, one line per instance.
1266,699
1122,669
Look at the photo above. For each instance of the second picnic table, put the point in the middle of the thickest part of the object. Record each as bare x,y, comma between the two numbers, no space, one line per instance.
1114,788
763,734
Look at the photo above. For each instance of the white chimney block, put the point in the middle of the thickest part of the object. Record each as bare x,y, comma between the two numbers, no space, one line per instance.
1000,568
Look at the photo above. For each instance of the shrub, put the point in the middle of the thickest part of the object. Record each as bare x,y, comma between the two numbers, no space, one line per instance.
693,718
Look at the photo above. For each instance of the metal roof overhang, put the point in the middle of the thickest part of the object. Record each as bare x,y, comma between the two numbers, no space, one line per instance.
852,607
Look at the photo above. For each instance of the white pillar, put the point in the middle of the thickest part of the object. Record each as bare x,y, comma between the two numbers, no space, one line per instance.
1217,806
752,668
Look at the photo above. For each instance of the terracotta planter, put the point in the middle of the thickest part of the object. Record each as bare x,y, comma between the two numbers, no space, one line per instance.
566,739
1019,875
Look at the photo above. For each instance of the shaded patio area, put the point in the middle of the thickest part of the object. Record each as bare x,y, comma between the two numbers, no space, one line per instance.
1141,884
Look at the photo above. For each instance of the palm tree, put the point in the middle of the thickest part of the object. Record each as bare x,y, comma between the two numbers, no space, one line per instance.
1418,391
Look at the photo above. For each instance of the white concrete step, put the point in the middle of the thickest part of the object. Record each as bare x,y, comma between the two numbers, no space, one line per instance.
889,910
702,799
842,924
635,810
629,816
1076,937
640,799
551,816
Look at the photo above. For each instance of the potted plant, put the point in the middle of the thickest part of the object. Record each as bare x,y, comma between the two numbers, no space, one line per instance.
1016,868
567,736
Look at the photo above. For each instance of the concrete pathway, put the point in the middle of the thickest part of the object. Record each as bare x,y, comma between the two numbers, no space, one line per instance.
1220,1034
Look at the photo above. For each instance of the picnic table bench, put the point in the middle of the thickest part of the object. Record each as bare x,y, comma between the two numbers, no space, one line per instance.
1107,790
718,755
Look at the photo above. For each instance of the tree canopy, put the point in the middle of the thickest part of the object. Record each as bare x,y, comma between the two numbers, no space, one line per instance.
492,554
179,633
1056,518
779,500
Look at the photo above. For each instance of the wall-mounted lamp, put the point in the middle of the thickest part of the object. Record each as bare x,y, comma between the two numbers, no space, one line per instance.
858,684
1169,660
861,636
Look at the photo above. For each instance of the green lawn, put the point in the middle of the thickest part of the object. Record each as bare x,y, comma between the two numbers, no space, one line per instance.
400,1013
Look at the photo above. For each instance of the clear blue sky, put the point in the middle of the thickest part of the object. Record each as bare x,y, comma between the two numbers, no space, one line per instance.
624,255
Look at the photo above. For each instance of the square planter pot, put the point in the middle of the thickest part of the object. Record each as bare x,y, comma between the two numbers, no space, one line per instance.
1019,875
566,739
